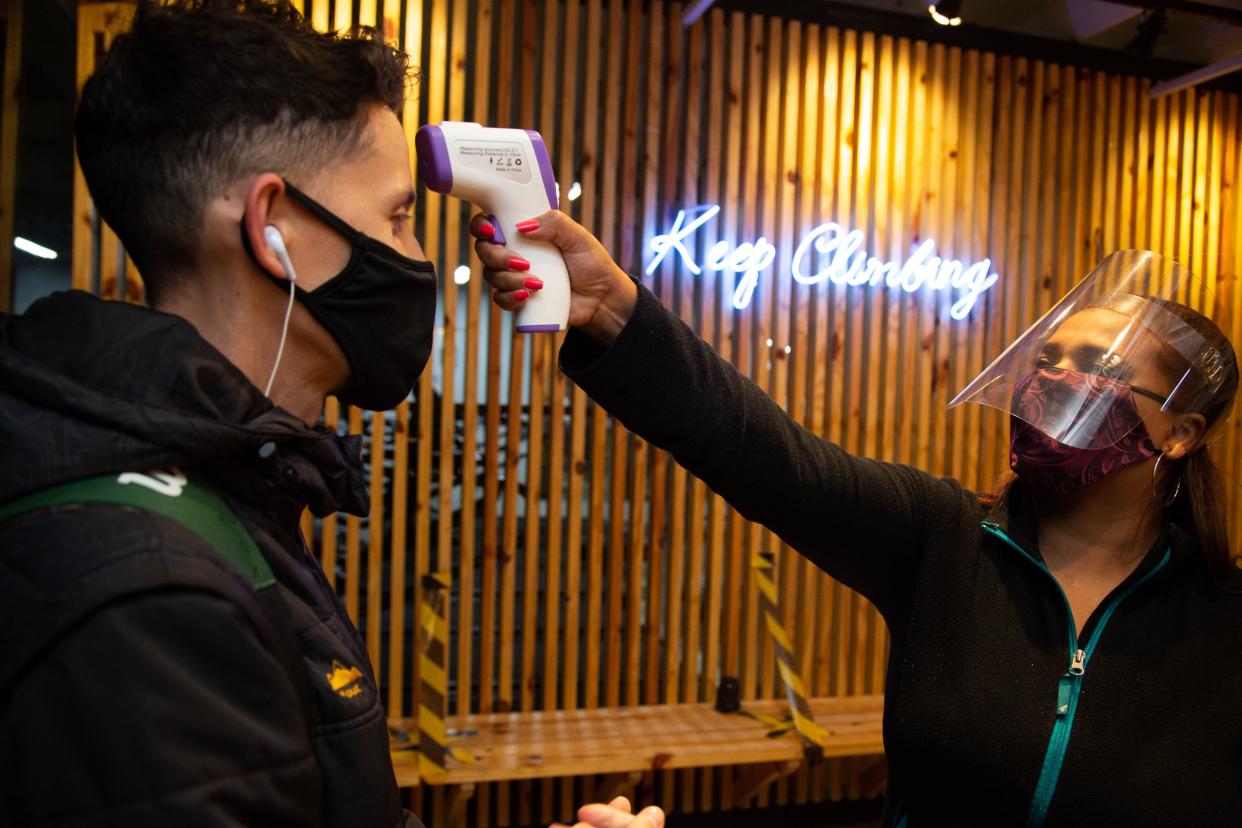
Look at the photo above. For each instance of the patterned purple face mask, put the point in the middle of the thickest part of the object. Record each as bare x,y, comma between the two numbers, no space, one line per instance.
1118,436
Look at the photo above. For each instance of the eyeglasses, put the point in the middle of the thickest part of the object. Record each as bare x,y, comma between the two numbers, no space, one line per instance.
1102,382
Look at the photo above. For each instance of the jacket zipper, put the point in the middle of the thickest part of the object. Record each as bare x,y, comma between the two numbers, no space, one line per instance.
1069,687
900,819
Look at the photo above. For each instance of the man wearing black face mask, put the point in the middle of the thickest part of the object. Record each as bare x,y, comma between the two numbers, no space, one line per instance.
257,173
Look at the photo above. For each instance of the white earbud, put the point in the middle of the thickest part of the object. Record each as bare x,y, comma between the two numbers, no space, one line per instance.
277,243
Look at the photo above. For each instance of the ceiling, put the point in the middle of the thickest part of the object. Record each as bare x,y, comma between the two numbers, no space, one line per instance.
1185,38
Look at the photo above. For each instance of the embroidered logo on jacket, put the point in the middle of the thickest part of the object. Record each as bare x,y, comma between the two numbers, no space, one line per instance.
344,680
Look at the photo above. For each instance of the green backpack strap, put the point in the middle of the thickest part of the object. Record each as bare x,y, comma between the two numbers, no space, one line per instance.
165,492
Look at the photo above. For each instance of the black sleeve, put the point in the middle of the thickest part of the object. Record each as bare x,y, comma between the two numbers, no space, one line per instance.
862,521
165,709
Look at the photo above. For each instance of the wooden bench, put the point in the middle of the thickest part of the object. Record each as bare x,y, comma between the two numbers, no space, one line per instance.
622,743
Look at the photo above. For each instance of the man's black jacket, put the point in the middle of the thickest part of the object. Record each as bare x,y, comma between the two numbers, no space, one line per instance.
981,633
140,679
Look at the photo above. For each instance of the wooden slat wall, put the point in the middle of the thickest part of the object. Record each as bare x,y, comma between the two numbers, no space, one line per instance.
589,569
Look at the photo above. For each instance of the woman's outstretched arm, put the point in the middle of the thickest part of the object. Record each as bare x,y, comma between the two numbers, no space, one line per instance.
862,521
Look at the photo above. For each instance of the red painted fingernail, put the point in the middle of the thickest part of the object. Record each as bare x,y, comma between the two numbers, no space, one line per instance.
518,263
486,230
533,283
521,295
528,226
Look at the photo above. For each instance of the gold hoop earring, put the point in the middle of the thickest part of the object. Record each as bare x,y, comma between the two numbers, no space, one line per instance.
1177,489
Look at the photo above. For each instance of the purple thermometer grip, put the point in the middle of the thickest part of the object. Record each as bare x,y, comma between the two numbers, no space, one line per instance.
498,237
433,158
545,168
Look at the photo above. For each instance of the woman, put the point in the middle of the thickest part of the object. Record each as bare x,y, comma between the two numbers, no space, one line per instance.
1066,656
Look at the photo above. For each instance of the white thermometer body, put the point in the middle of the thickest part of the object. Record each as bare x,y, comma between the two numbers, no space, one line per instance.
508,175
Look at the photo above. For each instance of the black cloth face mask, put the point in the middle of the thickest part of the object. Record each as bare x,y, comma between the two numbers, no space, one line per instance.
380,309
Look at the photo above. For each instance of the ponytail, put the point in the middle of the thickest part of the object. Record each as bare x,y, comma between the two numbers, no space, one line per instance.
1200,510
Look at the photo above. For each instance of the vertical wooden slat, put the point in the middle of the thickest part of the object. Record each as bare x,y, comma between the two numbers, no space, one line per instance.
561,133
663,108
328,534
1185,201
1215,185
540,358
509,524
557,469
470,410
390,22
862,348
1129,137
492,552
1172,156
1199,199
342,17
735,580
1143,166
1156,165
526,389
685,575
789,66
735,138
409,424
1111,108
804,359
98,24
747,535
625,576
396,608
543,366
599,423
306,525
375,542
714,577
826,337
353,538
839,430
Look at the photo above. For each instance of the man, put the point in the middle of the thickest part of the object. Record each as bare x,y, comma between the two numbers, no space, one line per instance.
257,173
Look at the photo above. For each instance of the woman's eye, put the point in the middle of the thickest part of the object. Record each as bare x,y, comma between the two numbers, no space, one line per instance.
401,221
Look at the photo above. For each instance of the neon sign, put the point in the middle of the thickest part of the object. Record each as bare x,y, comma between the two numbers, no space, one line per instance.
840,258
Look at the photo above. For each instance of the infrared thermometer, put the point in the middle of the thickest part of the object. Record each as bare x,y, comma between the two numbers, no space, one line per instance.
506,173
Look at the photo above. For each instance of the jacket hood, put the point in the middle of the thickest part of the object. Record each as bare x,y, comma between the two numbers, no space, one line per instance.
90,387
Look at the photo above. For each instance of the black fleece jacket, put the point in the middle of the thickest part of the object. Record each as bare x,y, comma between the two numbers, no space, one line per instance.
141,682
979,676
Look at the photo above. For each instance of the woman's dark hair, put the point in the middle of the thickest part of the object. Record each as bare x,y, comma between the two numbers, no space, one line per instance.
199,93
1200,504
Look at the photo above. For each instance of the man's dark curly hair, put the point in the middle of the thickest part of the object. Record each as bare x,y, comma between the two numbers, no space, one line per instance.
199,93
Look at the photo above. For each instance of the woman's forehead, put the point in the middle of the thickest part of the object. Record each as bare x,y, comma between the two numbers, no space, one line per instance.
1092,334
1099,327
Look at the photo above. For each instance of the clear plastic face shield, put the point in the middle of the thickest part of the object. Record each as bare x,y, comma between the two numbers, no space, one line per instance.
1120,343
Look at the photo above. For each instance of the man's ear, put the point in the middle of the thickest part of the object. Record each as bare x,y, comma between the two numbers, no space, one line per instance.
261,198
1186,436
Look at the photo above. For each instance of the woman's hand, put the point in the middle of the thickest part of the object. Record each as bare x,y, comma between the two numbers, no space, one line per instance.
616,814
601,295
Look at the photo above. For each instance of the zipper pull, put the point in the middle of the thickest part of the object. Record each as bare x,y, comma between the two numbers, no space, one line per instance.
1063,694
1078,666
